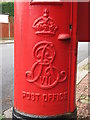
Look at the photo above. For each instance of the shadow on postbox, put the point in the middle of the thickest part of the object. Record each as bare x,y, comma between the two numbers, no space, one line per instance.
83,25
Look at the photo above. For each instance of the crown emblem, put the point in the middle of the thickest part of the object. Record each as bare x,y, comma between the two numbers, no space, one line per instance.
45,24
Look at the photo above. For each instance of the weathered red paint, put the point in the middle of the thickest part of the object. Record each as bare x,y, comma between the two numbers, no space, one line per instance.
45,57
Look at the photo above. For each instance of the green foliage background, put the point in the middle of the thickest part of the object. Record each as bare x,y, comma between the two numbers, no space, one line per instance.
7,8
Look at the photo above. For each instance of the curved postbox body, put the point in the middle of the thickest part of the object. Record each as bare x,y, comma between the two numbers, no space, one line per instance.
45,59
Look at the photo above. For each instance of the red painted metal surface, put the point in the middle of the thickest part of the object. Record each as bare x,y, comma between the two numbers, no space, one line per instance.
83,22
45,65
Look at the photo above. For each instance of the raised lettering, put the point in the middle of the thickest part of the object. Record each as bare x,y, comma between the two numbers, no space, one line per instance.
45,97
50,96
32,97
37,95
28,96
24,94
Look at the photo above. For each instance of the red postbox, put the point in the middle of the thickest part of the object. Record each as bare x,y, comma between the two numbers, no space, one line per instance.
45,60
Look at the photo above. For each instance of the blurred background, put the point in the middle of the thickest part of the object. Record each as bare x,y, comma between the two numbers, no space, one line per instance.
7,55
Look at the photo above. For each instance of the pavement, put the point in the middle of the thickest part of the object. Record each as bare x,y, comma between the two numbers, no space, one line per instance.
83,51
6,75
6,41
82,99
7,70
82,69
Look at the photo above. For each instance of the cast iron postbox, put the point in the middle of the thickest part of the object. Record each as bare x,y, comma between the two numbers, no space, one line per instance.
45,60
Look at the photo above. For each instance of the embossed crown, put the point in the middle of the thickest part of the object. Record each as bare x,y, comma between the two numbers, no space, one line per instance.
45,24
